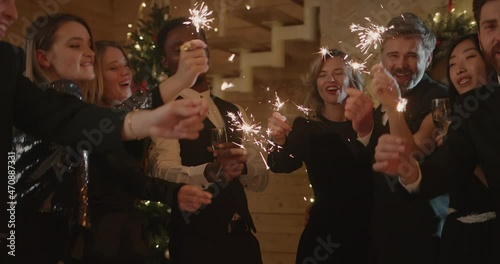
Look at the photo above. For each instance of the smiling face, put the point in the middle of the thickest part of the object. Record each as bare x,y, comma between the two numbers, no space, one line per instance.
332,81
489,33
117,76
406,60
8,14
467,67
70,57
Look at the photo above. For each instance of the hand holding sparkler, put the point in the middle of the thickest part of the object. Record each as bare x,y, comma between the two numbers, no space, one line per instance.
392,158
193,61
386,88
359,109
278,126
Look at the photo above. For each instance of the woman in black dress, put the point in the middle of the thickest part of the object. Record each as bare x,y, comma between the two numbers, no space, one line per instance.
468,233
338,165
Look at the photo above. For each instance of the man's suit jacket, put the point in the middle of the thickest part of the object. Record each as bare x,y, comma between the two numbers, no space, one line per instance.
404,224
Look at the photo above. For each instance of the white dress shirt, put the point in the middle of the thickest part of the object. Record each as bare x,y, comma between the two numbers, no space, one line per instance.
165,161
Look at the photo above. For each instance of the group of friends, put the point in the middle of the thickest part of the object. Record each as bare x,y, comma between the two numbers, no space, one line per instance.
384,180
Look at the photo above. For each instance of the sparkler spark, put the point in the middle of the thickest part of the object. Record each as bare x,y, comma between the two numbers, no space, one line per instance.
324,51
368,36
231,58
277,103
248,129
265,161
303,109
268,132
357,66
253,133
226,85
401,107
199,17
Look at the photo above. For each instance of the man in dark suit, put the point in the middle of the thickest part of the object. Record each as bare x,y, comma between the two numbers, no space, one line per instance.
66,120
222,231
402,224
472,141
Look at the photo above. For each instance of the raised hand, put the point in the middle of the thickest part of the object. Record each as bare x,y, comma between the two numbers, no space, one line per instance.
359,109
279,127
385,87
191,198
391,158
193,61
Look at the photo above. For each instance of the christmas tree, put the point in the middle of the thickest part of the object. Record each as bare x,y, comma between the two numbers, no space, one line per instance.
448,26
445,27
148,72
143,56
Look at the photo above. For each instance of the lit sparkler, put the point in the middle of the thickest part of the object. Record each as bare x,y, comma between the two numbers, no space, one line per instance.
357,66
277,103
253,133
401,107
368,36
226,85
303,109
324,51
199,17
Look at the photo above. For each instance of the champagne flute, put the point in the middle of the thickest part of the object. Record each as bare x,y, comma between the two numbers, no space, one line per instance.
218,136
441,114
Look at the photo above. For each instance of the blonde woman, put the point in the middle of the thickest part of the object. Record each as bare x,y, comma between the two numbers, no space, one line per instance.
338,164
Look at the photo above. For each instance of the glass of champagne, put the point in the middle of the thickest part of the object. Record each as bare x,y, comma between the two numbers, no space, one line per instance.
441,114
218,136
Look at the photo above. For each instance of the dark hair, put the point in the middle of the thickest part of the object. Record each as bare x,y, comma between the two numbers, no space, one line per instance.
452,91
169,26
409,25
314,100
477,5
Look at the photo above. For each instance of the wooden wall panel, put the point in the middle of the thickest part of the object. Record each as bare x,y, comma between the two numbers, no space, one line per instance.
105,19
279,223
278,243
278,213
